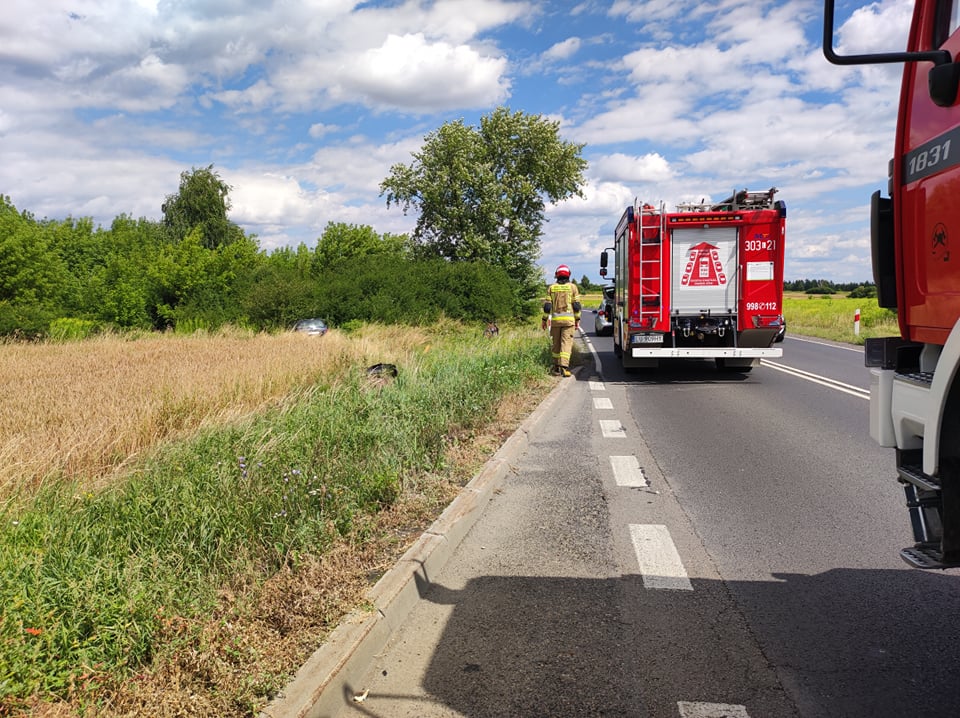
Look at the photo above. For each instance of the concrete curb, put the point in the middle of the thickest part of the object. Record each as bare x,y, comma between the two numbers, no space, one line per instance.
327,681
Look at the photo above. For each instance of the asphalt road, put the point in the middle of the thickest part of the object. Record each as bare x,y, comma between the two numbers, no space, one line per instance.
686,542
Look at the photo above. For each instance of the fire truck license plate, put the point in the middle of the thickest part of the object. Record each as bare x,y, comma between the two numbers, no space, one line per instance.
646,339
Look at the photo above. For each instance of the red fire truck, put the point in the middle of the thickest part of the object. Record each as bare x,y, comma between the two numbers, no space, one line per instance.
705,281
915,383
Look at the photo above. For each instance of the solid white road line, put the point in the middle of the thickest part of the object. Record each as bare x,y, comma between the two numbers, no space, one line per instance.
711,710
602,402
612,429
821,380
627,472
659,561
857,349
596,357
597,386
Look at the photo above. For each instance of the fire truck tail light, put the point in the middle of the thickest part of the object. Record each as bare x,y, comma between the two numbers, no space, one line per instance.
767,320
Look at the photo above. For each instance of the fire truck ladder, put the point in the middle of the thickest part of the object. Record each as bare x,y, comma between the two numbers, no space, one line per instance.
744,199
651,222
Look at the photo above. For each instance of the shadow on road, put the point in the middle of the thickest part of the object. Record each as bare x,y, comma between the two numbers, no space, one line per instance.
844,643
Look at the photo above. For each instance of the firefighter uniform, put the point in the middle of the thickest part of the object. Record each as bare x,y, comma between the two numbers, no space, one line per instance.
562,308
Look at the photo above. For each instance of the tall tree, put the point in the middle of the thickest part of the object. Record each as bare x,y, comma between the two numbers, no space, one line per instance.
482,192
202,201
341,241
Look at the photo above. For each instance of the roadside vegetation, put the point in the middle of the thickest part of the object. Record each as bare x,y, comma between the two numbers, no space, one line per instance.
832,317
196,555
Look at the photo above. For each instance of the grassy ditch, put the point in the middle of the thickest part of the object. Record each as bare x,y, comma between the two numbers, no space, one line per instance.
173,582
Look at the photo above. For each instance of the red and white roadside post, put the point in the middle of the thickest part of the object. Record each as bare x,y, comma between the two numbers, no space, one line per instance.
856,323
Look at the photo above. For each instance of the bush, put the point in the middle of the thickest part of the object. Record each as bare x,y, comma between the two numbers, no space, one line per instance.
414,292
863,292
23,321
64,330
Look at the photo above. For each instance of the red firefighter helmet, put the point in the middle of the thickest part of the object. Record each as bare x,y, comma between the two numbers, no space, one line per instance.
562,271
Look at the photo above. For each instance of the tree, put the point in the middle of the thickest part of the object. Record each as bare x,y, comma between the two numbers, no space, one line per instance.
202,201
482,192
585,283
863,291
33,278
341,241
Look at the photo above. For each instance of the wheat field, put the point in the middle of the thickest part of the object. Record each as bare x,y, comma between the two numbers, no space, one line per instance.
83,411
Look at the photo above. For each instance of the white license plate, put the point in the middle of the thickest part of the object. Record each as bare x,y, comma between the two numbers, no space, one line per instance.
646,339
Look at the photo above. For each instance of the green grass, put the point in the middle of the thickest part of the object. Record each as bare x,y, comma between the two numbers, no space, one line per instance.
87,579
832,317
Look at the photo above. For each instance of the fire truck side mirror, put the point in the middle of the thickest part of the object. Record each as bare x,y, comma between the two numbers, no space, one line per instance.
937,57
603,272
603,261
943,82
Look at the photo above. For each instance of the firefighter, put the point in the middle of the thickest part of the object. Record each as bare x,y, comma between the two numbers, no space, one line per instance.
562,309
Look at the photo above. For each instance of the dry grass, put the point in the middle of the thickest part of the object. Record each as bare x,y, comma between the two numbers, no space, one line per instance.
88,409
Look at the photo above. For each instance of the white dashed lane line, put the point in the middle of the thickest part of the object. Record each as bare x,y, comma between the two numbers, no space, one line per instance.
657,556
612,429
711,710
627,472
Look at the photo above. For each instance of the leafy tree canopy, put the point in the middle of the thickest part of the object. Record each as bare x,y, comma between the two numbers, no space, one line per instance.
341,241
202,201
482,192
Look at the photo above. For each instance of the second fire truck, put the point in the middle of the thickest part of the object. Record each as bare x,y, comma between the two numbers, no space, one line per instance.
705,281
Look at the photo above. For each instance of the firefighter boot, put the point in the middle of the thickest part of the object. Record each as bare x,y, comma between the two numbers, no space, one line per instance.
564,371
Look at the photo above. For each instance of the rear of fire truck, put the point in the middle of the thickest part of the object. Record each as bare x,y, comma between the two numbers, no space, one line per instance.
915,384
703,282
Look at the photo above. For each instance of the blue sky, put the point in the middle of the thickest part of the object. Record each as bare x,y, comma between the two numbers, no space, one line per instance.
303,106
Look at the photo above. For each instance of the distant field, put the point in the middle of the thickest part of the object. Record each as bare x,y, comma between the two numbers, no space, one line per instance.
832,317
591,299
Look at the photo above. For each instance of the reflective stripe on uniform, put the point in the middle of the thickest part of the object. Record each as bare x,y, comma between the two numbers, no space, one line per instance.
569,316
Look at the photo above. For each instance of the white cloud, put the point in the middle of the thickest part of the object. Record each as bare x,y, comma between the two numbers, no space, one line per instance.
623,168
411,72
256,97
319,129
657,113
877,27
563,50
